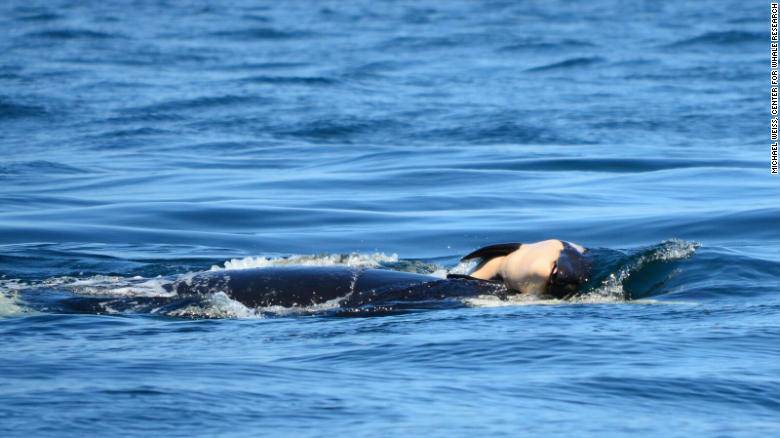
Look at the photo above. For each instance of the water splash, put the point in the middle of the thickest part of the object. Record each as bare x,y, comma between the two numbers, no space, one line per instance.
357,260
121,286
614,286
217,305
9,298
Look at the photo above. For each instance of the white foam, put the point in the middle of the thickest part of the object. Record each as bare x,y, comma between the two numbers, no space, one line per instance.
220,305
217,305
464,267
439,273
354,259
120,286
304,310
532,300
512,300
612,287
9,297
672,249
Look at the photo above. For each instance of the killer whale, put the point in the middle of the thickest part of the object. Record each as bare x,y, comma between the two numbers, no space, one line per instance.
347,287
550,268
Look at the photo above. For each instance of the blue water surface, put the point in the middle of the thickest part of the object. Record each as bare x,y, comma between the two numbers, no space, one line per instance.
144,139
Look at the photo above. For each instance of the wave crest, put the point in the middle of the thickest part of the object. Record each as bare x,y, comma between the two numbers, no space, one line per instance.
358,260
640,274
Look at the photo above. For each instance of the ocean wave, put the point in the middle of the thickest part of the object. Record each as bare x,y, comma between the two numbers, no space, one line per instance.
27,167
723,38
260,33
200,103
290,80
536,45
435,42
641,274
72,34
497,130
609,165
13,110
336,130
569,63
41,16
131,132
271,65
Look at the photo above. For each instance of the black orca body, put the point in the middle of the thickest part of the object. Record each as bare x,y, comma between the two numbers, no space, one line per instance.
343,289
302,286
307,287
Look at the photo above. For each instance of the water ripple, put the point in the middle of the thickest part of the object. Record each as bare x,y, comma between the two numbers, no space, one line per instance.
569,63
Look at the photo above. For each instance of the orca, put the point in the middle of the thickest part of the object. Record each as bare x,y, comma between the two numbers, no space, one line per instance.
549,268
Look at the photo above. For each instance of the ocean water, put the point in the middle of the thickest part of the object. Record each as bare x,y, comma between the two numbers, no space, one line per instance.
147,139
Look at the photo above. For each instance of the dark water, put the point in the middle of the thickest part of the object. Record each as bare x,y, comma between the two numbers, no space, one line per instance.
160,138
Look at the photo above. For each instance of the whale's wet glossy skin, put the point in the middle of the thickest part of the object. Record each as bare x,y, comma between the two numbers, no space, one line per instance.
342,288
347,287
